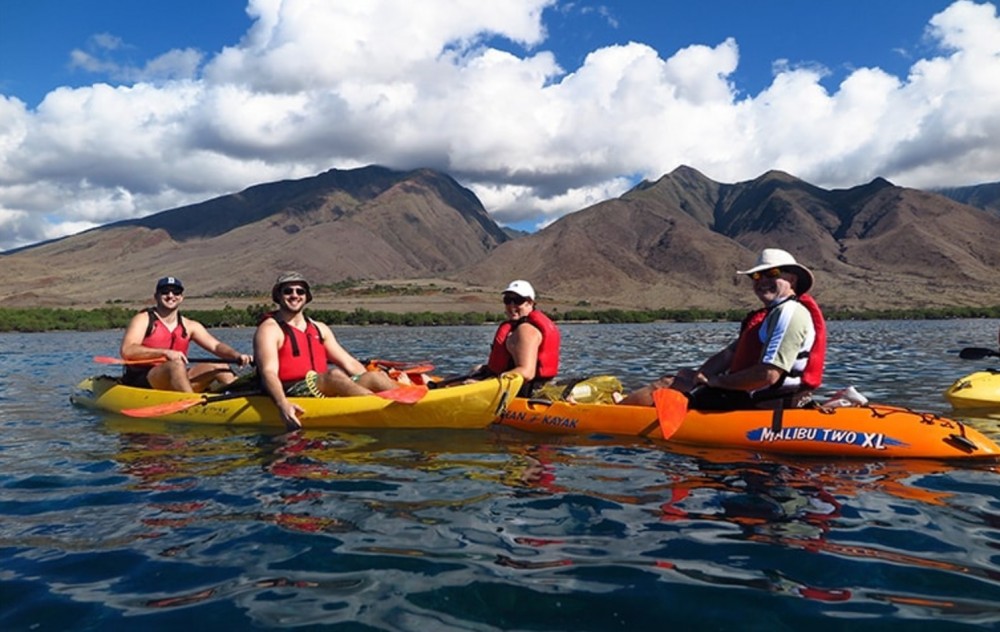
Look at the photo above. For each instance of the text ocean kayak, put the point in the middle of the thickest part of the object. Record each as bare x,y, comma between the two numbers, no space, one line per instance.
467,406
856,431
979,390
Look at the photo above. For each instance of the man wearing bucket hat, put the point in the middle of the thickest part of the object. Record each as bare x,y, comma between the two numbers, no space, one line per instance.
532,350
297,356
778,356
161,335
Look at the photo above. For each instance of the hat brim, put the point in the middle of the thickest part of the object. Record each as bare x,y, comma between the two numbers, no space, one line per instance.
527,298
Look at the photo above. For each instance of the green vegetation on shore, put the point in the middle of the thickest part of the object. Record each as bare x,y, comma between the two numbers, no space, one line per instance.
47,319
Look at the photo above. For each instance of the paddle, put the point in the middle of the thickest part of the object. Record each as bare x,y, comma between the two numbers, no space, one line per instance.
113,360
402,367
458,379
404,393
170,408
977,353
671,408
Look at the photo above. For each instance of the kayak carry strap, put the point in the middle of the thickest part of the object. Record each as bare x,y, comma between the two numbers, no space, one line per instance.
777,415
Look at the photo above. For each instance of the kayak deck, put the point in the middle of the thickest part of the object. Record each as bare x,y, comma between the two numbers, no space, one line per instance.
466,406
855,431
979,390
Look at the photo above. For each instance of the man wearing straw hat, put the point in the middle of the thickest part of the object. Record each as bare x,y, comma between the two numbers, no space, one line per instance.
778,356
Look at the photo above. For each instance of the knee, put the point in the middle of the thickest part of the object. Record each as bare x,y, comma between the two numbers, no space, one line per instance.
174,366
376,381
663,382
335,382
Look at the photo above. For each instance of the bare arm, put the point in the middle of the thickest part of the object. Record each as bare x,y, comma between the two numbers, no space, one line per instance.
266,341
337,354
210,343
719,363
687,379
523,346
749,379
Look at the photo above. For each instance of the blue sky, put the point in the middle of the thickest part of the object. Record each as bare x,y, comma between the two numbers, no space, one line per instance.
842,35
117,108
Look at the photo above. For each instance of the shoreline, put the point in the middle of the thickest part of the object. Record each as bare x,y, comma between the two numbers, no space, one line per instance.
393,311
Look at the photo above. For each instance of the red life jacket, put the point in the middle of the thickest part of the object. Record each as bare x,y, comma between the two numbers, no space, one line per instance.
159,337
301,352
548,353
749,346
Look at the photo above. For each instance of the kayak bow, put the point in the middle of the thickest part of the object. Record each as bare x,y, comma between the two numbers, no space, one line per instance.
979,390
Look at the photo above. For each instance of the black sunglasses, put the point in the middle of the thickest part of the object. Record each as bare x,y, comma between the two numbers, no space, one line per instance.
176,291
288,291
514,299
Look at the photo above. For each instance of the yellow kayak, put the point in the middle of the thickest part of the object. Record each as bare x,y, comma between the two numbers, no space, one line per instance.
871,430
979,390
466,406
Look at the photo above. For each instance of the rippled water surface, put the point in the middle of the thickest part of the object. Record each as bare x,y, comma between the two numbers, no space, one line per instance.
115,523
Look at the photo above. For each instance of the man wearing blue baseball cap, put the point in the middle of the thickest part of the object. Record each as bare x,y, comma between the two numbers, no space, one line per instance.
162,336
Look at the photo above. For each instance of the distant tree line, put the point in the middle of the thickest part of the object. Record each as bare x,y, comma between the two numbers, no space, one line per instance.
48,319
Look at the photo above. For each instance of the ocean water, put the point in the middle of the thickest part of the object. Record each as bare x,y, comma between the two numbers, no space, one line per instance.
111,523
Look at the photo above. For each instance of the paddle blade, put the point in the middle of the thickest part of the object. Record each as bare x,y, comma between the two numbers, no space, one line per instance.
404,394
977,353
671,408
113,360
158,410
404,367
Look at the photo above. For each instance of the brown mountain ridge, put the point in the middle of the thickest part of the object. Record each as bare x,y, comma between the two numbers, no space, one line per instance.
672,243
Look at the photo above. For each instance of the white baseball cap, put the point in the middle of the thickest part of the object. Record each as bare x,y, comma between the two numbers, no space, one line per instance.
521,288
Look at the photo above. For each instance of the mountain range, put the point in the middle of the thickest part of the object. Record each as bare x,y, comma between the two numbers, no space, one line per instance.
672,243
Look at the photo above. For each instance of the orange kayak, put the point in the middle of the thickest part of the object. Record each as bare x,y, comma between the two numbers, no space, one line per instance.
871,430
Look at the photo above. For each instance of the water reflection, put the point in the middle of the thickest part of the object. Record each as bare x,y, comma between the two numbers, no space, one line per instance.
110,517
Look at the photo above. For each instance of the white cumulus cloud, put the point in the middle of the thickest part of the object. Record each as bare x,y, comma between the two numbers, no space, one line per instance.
318,84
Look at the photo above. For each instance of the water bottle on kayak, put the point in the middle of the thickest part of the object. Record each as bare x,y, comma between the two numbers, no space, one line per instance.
846,397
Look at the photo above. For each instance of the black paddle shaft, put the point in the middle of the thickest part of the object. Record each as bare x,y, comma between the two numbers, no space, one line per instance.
977,353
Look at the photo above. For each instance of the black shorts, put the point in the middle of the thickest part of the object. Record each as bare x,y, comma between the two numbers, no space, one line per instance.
137,377
711,398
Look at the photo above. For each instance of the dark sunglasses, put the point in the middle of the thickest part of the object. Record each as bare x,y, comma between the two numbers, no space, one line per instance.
176,291
514,299
298,291
773,273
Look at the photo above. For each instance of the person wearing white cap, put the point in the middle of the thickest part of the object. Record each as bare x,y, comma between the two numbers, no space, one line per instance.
778,356
526,343
297,356
161,335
